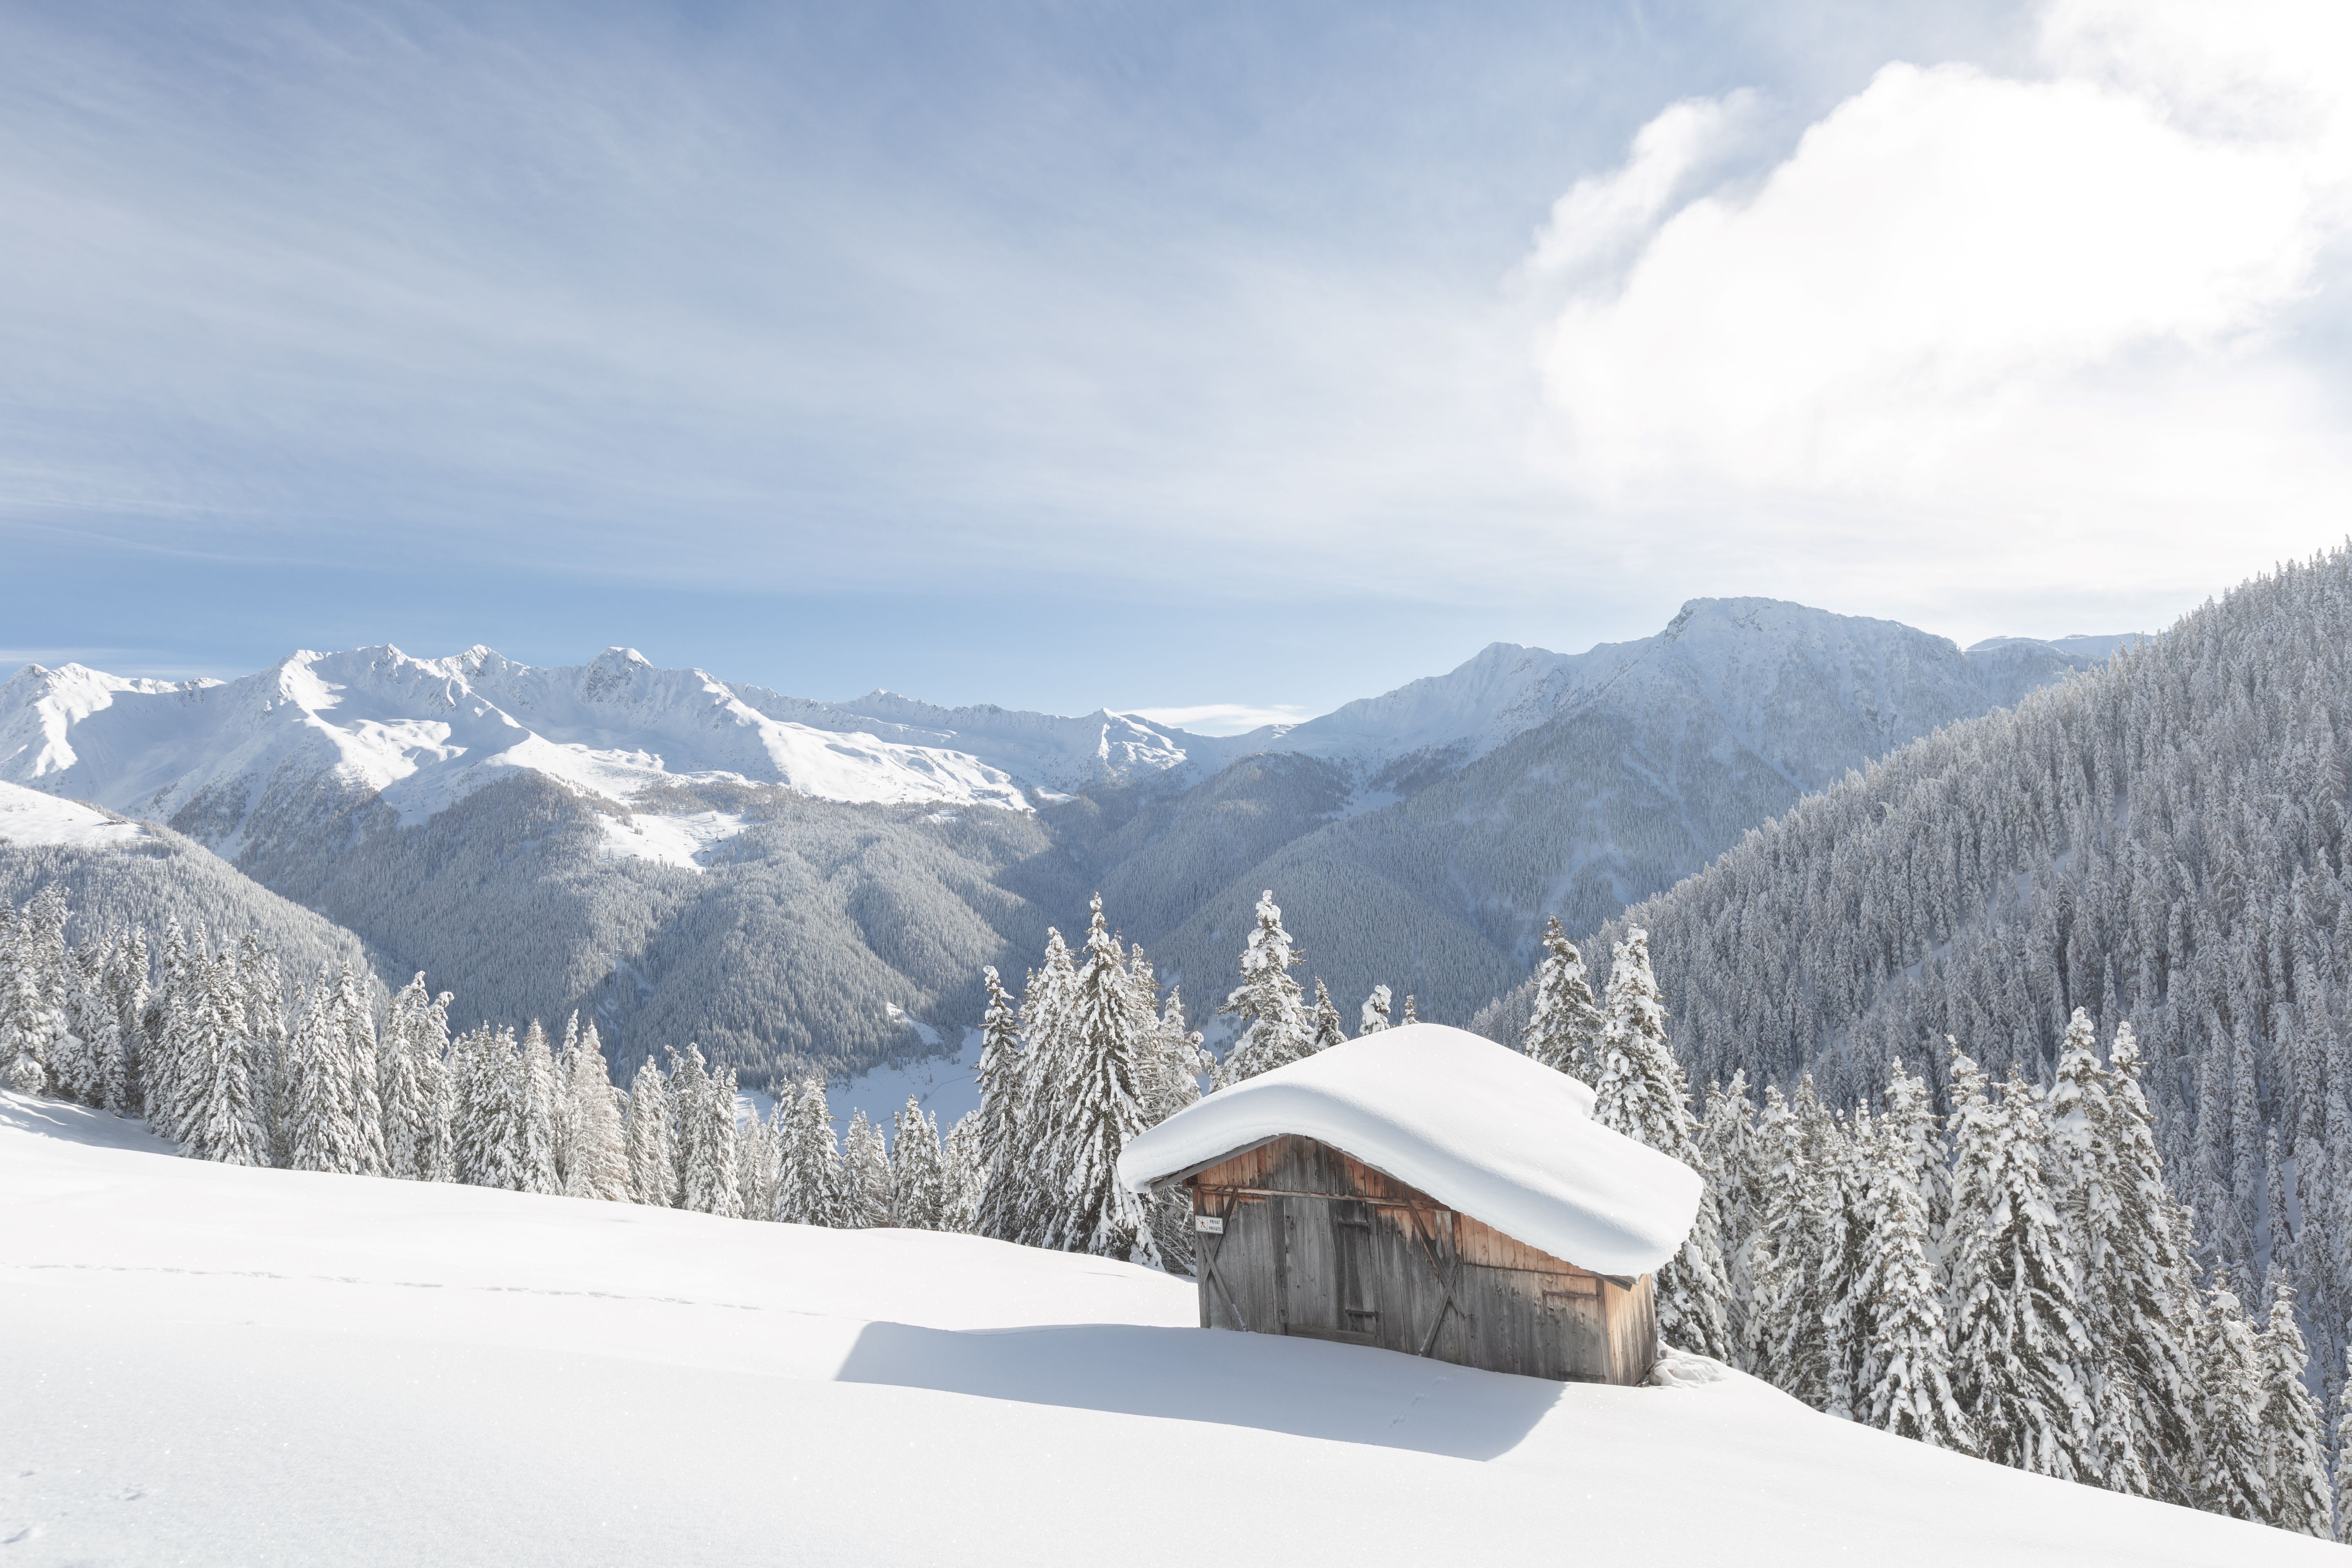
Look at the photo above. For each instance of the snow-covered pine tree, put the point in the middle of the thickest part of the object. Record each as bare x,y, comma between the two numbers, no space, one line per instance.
1004,1199
261,993
2018,1347
687,1080
1848,1325
437,1155
20,1070
318,1134
1274,1027
1411,1012
94,1023
1642,1094
2344,1447
225,1123
1329,1031
2076,1170
128,988
759,1159
165,1079
110,1042
918,1169
2294,1423
74,1071
2232,1475
2138,1297
1905,1386
563,1054
812,1192
866,1175
1726,1144
407,1074
538,1096
722,1196
1785,1344
1375,1016
1049,1060
33,1005
355,1021
1176,1063
2247,1185
1564,1023
595,1148
652,1169
490,1112
1095,1212
960,1157
1178,1060
2281,1231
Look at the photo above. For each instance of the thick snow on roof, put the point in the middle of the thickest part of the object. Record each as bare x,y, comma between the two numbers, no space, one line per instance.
1476,1126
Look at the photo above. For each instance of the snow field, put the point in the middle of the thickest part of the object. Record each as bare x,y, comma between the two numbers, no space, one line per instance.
29,819
215,1364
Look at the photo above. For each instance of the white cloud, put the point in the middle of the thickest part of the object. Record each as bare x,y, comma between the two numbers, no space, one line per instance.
1974,332
1603,217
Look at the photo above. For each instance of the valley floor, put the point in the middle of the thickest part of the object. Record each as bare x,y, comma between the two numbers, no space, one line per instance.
215,1366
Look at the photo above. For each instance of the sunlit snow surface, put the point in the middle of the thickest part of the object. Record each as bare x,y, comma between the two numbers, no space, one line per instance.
424,733
29,819
671,840
217,1365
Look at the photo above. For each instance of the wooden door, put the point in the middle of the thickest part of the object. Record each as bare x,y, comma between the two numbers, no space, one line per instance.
1310,1267
1358,1268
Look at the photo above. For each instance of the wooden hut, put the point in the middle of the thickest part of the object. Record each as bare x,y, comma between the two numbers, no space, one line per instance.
1426,1191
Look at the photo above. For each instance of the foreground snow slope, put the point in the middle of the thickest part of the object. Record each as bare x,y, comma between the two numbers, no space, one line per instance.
217,1365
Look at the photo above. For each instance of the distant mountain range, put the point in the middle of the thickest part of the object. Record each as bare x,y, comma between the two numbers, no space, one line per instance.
811,884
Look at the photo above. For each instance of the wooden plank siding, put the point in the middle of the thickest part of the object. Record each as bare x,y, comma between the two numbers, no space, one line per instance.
1317,1243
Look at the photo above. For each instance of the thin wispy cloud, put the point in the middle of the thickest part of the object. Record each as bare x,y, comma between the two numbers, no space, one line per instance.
1383,332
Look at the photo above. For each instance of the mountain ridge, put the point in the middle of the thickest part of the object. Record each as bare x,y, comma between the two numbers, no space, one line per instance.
799,883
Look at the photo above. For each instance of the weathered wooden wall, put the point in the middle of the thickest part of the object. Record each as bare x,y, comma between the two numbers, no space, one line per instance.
1318,1243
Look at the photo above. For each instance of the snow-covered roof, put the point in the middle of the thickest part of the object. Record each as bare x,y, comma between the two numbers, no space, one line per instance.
1480,1128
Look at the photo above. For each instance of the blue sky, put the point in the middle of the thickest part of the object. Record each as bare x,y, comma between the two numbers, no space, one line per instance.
1149,356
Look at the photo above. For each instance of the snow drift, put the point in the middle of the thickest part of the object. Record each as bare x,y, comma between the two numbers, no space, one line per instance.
210,1364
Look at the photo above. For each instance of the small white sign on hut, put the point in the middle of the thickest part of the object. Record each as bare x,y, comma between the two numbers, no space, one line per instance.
1428,1191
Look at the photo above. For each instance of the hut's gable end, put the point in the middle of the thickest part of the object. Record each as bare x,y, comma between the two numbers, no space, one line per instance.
1313,1242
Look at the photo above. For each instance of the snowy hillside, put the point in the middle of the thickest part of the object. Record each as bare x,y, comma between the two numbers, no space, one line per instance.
29,819
1507,690
1571,785
212,1364
121,872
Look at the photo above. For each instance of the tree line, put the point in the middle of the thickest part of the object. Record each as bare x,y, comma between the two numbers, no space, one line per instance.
2015,1280
2167,839
217,1054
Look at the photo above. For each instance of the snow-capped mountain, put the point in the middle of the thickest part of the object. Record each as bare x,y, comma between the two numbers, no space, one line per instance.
800,884
1050,750
420,734
1734,651
1568,785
